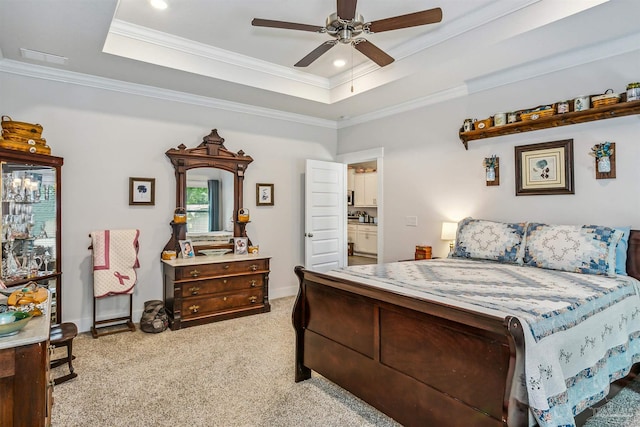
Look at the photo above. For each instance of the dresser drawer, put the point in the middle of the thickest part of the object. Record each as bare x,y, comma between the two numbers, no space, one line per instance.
197,306
221,268
224,284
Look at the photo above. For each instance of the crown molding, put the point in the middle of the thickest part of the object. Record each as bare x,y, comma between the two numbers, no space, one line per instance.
159,38
434,98
555,63
544,66
64,76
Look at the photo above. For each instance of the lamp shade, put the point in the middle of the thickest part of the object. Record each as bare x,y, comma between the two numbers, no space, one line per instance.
449,230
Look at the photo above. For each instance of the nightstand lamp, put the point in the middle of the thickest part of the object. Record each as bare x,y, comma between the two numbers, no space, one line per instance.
449,230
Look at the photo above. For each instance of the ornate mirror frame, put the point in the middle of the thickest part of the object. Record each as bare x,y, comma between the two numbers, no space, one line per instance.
211,153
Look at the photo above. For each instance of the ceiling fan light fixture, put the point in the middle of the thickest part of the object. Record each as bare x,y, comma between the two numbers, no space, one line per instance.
345,26
339,63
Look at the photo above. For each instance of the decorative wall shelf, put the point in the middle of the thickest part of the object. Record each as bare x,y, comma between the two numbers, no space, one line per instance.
600,113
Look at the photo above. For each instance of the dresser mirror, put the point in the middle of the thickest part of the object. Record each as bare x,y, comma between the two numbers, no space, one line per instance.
209,188
209,204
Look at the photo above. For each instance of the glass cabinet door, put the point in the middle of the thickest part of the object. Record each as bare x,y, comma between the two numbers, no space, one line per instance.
30,225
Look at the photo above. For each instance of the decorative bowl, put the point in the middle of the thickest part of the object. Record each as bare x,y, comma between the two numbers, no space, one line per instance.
214,252
12,321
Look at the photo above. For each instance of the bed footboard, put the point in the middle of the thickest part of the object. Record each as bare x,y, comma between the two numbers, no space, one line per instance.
419,362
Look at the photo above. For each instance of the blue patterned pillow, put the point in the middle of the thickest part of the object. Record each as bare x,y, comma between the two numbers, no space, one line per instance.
496,241
588,249
621,251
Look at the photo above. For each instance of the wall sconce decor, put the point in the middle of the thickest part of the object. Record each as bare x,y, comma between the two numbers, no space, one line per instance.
449,230
491,165
605,158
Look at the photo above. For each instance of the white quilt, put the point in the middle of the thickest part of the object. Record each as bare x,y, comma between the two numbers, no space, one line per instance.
115,258
582,331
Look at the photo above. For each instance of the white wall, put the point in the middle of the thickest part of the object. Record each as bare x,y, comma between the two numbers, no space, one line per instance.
428,173
105,137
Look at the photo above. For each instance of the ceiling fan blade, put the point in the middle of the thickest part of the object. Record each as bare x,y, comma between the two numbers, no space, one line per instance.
346,9
373,52
257,22
430,16
316,53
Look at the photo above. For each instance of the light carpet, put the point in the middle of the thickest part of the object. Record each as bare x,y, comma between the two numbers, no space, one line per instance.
237,372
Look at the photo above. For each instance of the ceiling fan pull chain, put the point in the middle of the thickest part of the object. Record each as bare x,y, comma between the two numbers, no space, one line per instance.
352,70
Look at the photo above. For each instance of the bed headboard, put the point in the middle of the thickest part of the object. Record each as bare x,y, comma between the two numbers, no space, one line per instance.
633,254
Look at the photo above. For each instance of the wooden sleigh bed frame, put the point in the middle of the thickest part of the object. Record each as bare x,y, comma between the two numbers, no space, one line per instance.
420,362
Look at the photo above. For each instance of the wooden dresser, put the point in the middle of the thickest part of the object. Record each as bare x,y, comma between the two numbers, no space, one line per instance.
25,386
207,289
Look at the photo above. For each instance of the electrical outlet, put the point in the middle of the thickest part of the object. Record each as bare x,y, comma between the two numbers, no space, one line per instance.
411,221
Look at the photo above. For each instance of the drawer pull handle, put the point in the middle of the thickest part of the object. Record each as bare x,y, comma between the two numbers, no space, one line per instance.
224,281
194,290
226,267
224,299
194,308
253,300
253,283
253,267
194,273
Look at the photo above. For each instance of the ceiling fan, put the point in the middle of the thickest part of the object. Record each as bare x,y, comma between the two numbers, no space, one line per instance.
345,26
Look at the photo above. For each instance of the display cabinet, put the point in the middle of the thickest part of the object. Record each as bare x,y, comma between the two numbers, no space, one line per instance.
31,234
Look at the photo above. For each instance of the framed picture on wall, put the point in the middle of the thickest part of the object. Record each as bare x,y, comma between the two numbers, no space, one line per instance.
264,194
142,191
545,168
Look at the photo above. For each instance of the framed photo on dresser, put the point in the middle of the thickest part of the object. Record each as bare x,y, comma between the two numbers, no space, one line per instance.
240,245
186,248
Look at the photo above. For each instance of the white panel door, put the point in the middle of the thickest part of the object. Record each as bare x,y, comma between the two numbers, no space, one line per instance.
325,215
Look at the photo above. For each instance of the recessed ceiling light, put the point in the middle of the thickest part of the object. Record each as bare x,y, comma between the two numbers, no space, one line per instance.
159,4
339,63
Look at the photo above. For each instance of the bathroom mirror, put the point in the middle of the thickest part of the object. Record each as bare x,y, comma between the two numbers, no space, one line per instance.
209,164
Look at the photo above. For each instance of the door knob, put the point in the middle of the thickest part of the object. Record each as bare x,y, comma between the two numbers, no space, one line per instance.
308,234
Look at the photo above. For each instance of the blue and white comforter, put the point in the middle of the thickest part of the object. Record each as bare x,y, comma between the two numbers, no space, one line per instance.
582,331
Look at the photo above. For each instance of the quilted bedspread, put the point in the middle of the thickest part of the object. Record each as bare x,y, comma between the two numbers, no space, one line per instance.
582,331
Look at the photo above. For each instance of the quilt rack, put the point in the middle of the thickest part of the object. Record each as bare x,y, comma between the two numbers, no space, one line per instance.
113,325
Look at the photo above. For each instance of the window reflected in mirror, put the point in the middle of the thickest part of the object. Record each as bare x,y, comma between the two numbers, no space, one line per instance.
209,195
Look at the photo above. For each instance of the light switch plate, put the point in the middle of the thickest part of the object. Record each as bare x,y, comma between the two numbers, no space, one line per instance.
411,221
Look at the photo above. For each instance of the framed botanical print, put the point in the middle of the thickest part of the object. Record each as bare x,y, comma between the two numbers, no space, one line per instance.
142,191
264,194
545,168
